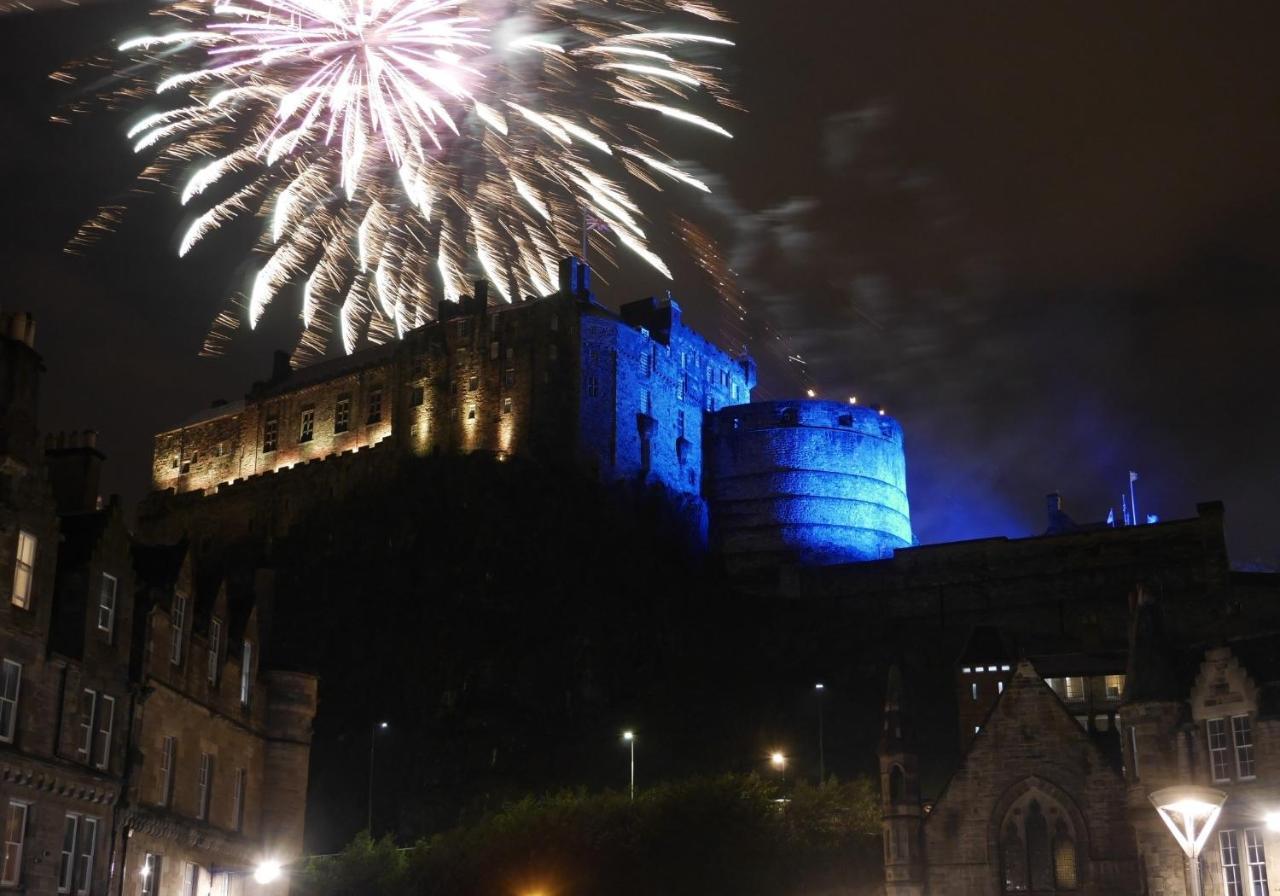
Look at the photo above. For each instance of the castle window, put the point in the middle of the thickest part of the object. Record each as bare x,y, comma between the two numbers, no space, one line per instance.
1216,730
1242,735
681,387
733,391
416,396
711,403
680,424
708,373
1115,686
493,351
506,405
511,354
270,435
555,322
24,569
308,428
509,377
593,386
176,462
375,405
646,402
107,605
897,784
219,449
473,384
553,352
342,414
471,412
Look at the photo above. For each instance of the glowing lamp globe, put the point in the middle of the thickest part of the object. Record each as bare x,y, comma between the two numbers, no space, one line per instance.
267,872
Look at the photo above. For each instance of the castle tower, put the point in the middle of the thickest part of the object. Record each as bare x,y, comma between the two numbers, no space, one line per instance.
901,814
1153,745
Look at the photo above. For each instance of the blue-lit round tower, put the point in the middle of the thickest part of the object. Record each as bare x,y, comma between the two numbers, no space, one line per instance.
814,482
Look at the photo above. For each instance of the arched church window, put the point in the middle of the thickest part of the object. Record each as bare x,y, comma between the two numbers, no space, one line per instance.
1064,858
1039,862
897,783
1013,854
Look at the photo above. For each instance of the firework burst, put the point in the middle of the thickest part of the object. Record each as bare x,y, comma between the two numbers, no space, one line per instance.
391,145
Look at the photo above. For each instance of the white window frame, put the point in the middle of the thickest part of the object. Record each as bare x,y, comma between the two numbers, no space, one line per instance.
24,569
1118,681
1229,856
1133,748
242,784
168,759
1255,854
107,604
85,858
152,867
190,879
88,722
10,671
204,784
215,647
1218,753
178,623
1246,761
246,673
11,877
1067,689
106,727
67,861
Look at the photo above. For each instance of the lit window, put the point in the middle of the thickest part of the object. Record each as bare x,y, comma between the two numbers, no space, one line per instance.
204,785
15,836
270,435
1217,734
10,683
246,673
1242,735
190,879
342,414
152,865
966,670
179,622
375,405
506,405
999,687
1065,874
307,430
107,605
1115,687
973,691
215,646
1004,668
106,726
646,402
1229,853
1074,689
168,754
88,722
1255,852
24,569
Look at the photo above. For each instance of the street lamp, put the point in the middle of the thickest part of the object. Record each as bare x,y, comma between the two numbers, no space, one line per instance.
373,740
778,760
268,872
822,759
630,738
1190,813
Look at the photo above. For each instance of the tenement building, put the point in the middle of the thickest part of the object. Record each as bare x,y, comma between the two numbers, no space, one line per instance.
143,747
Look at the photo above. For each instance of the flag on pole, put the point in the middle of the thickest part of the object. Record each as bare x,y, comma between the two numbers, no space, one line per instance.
1111,517
1133,477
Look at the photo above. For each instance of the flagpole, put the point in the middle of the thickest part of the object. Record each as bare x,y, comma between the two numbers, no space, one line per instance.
1133,499
585,232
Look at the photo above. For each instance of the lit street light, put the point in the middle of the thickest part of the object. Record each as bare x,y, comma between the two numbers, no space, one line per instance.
373,740
630,738
1190,813
778,760
268,872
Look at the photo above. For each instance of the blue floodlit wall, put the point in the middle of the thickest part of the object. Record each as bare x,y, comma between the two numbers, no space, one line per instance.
813,482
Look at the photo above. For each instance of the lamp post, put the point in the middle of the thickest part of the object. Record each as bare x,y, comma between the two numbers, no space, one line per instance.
819,688
778,760
630,738
373,740
1190,813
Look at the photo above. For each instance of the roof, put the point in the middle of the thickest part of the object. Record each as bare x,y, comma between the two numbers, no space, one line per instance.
159,565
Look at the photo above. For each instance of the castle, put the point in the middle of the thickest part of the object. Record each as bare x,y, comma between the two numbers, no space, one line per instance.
635,397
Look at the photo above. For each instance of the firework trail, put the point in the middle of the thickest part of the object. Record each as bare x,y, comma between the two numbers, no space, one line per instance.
390,145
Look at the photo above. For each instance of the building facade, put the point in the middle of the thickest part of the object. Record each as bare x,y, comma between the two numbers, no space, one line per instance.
559,379
107,664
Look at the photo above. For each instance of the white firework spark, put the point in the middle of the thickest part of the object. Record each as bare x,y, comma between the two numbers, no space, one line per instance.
392,144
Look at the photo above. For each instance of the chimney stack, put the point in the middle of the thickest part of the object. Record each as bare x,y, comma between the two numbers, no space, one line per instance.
75,468
575,277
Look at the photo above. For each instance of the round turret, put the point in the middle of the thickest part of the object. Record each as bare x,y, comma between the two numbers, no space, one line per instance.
813,482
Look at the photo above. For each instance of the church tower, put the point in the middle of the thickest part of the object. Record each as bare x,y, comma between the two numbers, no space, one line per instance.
901,813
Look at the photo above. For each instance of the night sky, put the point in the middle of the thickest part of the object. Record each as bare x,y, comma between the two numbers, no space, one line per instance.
1046,236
